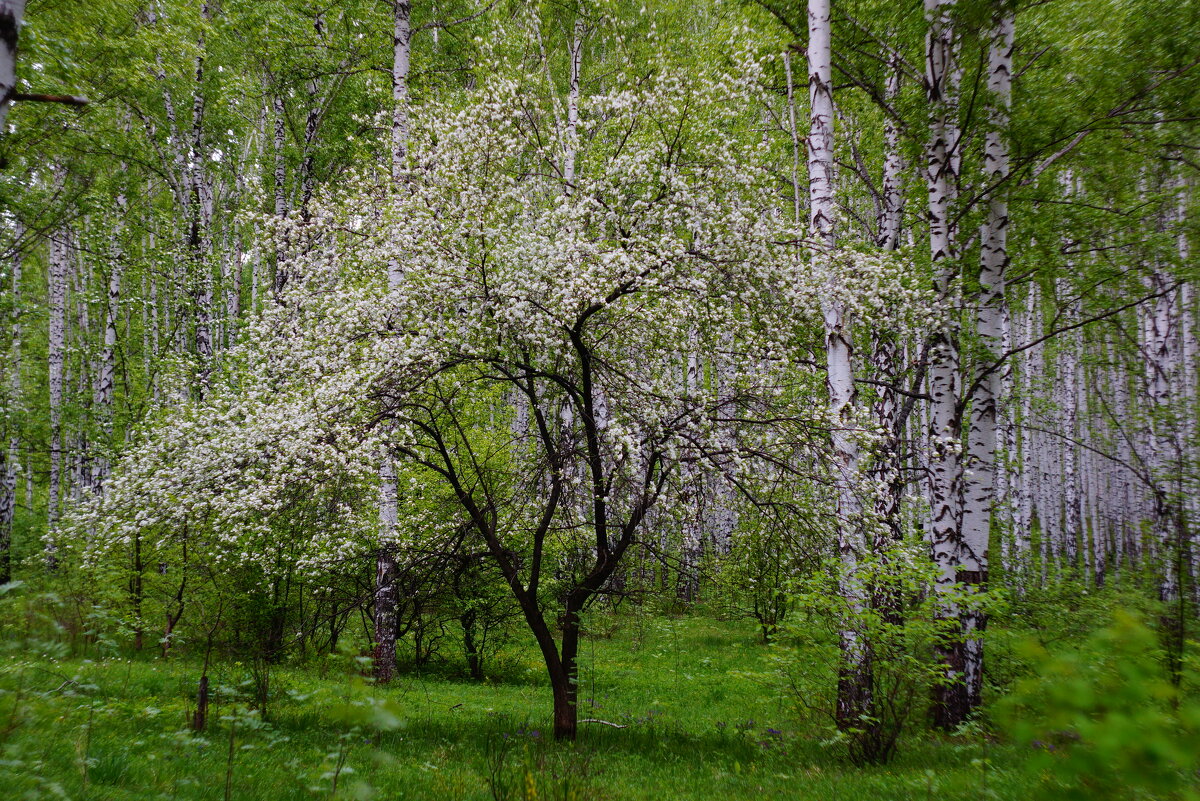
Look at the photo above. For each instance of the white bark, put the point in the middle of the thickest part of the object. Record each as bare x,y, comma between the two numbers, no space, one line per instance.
1023,542
200,216
1005,470
1189,350
106,374
11,14
56,352
1161,355
386,591
893,166
942,180
964,659
724,509
79,340
854,686
401,50
1073,536
11,463
386,567
822,214
978,481
572,141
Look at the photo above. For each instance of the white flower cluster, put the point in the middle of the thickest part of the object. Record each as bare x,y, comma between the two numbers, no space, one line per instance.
658,292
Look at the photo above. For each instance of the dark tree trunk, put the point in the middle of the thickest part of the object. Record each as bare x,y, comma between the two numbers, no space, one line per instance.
471,646
566,707
200,718
135,591
951,705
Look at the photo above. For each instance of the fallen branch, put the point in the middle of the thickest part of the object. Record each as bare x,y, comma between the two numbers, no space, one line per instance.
605,722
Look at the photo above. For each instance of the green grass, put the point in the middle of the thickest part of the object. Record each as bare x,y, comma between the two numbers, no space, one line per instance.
697,696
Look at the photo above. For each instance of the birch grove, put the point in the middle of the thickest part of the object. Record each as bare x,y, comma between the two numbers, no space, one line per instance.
410,324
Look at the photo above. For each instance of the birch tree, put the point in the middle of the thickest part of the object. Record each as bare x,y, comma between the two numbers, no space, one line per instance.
854,684
60,256
12,13
12,457
943,158
979,491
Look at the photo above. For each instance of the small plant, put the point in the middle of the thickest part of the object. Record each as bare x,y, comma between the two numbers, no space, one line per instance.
900,628
1104,721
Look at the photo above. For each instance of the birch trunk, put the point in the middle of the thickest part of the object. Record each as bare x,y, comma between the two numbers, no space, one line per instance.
886,473
386,567
11,14
1023,540
953,701
854,681
1190,348
979,492
386,591
1073,535
79,340
56,353
401,51
1005,477
1160,358
692,495
11,464
280,278
106,375
893,166
724,509
200,215
572,140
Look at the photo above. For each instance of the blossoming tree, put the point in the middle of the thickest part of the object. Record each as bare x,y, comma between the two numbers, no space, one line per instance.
554,352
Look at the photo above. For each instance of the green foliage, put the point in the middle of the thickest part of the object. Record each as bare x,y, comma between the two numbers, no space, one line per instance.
895,613
755,579
1102,720
699,699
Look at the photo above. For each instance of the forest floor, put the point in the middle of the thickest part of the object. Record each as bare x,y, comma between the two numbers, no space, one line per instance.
700,701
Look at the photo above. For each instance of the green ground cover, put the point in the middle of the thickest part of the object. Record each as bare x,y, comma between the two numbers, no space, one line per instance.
704,712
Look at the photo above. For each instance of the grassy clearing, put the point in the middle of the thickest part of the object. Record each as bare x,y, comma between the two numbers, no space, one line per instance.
704,715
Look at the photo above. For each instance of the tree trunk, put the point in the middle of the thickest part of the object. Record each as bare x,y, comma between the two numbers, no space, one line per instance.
401,49
386,600
572,143
979,479
892,209
11,13
200,216
854,681
945,526
59,259
106,375
886,473
565,681
11,463
279,178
